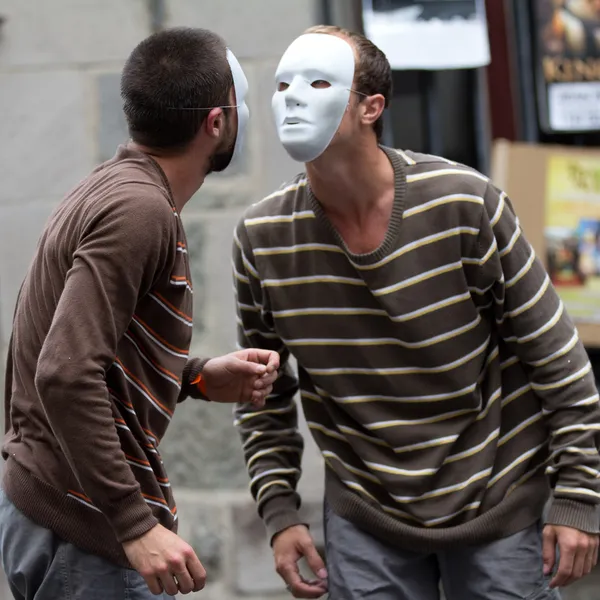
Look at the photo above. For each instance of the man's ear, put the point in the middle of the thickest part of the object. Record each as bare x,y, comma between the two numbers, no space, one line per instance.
215,122
372,107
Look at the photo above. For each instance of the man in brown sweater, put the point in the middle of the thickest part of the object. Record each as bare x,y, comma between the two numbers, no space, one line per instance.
98,357
439,373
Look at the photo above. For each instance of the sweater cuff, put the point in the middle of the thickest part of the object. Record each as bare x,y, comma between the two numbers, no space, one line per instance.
191,374
130,518
279,513
578,515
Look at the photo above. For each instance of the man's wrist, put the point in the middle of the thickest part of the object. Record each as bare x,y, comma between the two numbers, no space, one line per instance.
194,379
280,513
130,518
575,514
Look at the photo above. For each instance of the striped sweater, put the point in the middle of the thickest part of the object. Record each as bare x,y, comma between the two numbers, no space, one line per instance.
440,376
98,360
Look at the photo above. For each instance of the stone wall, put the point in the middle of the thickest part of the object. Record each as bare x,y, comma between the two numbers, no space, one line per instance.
60,115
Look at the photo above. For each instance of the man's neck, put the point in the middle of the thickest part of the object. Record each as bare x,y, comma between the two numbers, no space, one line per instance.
184,172
352,183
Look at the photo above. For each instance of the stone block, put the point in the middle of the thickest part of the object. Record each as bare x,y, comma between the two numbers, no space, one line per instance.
276,167
71,32
46,147
261,28
203,526
196,233
213,195
111,126
210,238
20,227
584,589
202,449
252,561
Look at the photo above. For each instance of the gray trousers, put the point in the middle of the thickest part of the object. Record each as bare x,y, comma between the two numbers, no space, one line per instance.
362,567
40,566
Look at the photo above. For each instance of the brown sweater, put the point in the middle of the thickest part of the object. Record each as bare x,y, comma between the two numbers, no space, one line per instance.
98,360
440,376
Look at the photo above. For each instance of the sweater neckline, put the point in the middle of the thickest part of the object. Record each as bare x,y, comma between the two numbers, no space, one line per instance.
394,225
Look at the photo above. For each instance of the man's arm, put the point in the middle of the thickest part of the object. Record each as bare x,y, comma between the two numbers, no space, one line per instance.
118,259
271,442
532,320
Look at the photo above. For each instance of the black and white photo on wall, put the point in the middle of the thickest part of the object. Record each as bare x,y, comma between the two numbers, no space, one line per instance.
429,34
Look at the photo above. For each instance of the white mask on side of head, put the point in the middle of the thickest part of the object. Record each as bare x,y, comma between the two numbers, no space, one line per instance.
240,85
314,80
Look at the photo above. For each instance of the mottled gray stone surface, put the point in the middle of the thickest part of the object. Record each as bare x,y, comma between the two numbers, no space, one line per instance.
202,525
20,227
46,147
195,232
112,126
70,32
252,556
260,28
586,589
209,242
213,195
202,449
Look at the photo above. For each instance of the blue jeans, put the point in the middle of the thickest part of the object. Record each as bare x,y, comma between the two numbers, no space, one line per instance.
40,566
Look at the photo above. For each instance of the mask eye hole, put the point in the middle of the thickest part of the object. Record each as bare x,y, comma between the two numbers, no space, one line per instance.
282,86
320,84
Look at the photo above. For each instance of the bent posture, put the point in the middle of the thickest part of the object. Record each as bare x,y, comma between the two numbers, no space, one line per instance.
439,373
99,352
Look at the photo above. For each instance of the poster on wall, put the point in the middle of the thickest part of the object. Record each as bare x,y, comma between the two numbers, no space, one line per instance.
572,232
429,34
568,64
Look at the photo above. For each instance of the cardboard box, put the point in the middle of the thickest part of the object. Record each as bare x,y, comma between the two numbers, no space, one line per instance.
555,191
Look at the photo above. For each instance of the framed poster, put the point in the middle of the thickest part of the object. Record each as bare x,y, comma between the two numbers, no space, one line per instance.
555,191
429,34
567,62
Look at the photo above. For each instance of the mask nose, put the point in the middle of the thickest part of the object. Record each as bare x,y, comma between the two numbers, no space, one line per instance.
293,94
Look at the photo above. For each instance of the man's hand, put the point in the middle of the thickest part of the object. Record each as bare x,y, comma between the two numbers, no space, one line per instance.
166,562
578,554
289,547
243,376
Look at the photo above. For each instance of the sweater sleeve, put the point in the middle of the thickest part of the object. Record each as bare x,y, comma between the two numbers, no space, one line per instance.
532,320
272,444
119,256
191,374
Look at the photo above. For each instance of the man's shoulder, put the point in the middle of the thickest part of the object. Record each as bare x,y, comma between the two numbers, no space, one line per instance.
126,188
440,172
281,203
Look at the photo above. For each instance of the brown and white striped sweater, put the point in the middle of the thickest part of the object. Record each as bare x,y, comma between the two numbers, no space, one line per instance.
99,359
439,375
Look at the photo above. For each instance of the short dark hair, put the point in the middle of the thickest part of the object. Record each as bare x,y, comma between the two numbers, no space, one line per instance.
373,72
174,69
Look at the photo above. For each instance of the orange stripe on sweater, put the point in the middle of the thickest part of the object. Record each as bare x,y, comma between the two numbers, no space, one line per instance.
143,386
138,345
173,308
160,339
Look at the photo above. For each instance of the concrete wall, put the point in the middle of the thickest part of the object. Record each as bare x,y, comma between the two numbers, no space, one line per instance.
60,115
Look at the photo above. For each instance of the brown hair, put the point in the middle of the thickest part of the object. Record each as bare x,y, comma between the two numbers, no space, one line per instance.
167,78
373,73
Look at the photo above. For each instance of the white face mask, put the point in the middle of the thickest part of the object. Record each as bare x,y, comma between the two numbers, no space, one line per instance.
314,80
240,85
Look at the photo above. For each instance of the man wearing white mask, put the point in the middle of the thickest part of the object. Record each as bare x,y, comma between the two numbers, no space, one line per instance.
438,371
98,358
